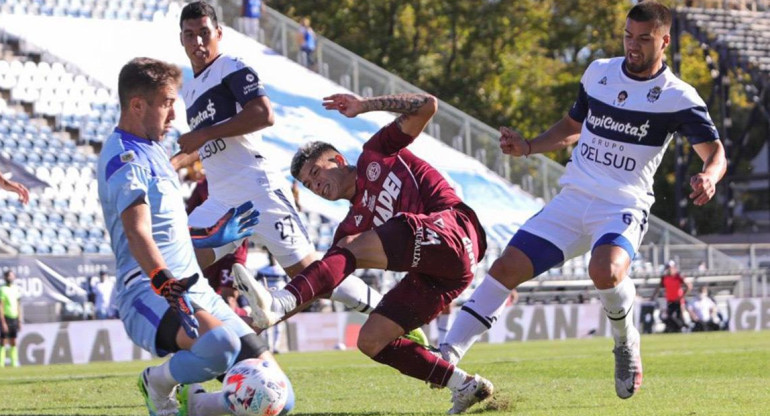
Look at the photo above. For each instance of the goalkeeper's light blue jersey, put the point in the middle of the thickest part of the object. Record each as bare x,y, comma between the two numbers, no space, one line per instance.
131,169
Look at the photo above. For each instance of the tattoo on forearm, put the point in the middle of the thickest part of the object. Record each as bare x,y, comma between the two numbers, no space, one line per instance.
400,103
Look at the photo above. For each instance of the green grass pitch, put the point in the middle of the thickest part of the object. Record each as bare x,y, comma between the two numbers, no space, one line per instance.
688,374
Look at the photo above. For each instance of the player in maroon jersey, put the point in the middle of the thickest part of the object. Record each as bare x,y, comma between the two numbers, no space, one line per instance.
403,216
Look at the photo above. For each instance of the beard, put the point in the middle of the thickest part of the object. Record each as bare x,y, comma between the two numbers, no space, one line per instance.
640,67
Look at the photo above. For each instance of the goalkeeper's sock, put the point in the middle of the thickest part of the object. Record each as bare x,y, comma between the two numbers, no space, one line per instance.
161,378
2,355
213,404
211,355
14,356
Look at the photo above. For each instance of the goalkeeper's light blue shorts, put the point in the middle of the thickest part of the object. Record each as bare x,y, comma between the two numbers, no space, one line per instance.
141,311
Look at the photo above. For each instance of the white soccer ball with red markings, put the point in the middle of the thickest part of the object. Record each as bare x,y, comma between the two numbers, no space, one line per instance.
257,387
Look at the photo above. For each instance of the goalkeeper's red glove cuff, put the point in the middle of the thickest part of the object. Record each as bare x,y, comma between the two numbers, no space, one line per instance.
160,278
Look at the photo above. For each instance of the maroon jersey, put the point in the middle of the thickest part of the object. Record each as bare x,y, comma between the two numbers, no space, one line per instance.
390,180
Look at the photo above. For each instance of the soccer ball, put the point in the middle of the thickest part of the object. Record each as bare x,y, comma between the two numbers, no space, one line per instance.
256,387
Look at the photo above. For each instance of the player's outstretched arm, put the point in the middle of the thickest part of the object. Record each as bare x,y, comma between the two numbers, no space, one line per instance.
714,165
16,187
416,109
562,134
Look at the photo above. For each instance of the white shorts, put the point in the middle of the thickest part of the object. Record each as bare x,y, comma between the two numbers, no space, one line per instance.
575,222
280,227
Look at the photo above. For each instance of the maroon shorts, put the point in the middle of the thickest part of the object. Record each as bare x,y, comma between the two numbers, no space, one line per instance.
439,252
218,274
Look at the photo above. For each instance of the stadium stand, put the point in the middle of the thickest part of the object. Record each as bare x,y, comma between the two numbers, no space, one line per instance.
739,32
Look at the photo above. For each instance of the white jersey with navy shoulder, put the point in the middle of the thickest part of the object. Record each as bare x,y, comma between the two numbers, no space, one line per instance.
235,166
627,125
130,169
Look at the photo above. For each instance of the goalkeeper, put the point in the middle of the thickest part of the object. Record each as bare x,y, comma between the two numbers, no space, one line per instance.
164,308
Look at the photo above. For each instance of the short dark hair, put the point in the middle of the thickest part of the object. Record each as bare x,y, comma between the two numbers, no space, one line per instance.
308,152
144,77
196,10
650,10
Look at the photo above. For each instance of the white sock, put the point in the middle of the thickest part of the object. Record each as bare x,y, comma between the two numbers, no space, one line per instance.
283,302
442,325
210,404
619,306
356,294
160,377
457,379
477,315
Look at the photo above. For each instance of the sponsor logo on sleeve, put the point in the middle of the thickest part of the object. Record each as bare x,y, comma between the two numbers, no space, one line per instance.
127,156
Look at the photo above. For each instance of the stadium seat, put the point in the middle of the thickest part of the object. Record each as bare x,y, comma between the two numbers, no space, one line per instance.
8,218
104,248
58,249
80,233
90,248
74,249
26,249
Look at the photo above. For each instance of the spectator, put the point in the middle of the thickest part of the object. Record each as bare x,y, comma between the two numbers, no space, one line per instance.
251,12
274,278
103,291
10,318
307,43
703,311
676,289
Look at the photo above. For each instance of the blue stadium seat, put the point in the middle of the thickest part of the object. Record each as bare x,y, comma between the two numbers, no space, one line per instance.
8,217
33,234
104,248
90,247
33,158
96,233
65,234
42,248
39,218
58,249
80,233
26,249
55,218
20,158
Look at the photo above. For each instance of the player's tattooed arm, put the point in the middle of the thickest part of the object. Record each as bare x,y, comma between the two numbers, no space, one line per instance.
399,103
416,109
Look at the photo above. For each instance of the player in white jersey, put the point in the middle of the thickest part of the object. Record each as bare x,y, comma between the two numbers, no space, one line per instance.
162,305
621,123
226,107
